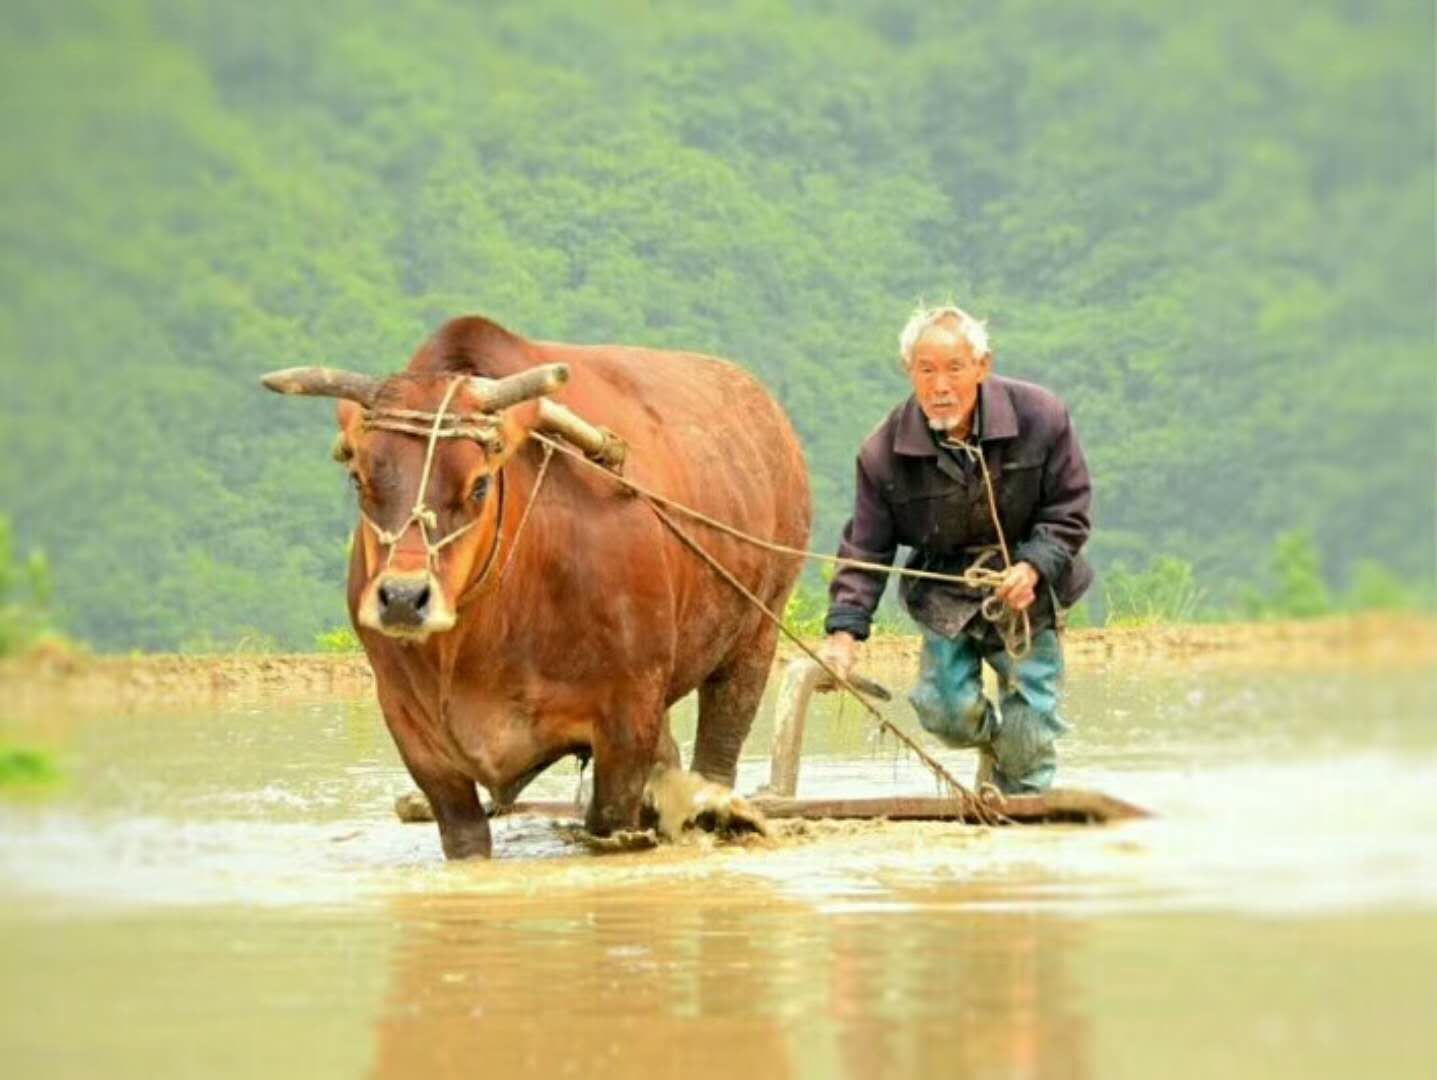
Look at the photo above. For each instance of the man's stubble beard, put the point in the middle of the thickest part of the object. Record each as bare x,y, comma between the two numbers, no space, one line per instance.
945,426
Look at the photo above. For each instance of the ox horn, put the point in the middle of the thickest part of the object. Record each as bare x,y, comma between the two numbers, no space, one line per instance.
324,382
494,395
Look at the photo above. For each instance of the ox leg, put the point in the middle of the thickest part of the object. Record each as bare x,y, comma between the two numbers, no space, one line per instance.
463,824
728,700
627,742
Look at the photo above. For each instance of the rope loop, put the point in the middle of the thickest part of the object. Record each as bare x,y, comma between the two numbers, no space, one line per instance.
483,429
1016,630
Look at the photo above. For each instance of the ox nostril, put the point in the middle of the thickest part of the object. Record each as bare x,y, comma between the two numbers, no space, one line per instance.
404,602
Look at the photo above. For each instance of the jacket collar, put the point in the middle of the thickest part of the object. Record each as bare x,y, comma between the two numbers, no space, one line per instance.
913,437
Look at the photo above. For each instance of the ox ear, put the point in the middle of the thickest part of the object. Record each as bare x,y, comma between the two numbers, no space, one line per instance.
350,417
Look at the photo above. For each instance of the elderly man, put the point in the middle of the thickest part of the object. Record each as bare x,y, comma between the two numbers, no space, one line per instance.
921,484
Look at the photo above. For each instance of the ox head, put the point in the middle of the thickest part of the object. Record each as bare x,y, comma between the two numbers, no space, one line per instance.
426,537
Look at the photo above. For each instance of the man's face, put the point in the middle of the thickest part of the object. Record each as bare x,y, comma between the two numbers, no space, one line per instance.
946,375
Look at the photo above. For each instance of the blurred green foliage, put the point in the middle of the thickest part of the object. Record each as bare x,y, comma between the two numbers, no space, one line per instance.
1165,592
25,592
1296,585
1376,588
25,767
806,609
1300,592
341,639
1080,615
1293,587
1207,226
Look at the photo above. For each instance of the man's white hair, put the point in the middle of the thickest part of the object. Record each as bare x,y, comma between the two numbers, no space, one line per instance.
969,329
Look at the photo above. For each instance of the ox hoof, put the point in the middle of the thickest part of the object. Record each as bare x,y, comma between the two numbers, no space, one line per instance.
679,801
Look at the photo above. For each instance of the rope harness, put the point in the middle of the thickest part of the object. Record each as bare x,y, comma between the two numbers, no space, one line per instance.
482,428
987,804
1014,627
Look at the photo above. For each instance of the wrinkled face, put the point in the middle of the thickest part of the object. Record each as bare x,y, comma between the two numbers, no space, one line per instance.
946,375
407,593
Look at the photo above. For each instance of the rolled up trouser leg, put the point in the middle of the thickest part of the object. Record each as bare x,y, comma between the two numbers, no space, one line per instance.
949,696
1026,757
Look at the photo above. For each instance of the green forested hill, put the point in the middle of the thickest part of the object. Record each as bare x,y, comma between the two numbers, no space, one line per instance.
1210,227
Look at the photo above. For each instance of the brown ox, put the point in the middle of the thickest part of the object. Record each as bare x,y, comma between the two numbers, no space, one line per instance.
494,659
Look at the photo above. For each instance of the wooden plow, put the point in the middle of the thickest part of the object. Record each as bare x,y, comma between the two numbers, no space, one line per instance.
777,799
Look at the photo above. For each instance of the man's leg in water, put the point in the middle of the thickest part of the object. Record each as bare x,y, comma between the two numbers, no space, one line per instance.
1025,757
949,696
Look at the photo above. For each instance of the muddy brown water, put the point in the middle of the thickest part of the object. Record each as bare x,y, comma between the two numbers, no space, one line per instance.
222,890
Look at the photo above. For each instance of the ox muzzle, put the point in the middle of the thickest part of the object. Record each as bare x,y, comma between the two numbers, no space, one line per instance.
406,605
403,603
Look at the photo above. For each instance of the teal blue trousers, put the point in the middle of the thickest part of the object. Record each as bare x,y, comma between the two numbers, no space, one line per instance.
1021,730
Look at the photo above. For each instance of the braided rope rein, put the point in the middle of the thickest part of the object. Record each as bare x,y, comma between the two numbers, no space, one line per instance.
977,577
985,806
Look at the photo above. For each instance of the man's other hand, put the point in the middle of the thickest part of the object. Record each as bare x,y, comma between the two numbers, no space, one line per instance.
840,652
1018,588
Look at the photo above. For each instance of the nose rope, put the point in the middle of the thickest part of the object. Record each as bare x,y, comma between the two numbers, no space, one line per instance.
481,428
421,515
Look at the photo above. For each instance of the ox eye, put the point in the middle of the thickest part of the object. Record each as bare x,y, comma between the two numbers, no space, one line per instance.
481,488
356,483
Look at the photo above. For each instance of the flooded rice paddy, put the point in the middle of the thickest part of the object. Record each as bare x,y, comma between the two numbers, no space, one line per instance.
222,890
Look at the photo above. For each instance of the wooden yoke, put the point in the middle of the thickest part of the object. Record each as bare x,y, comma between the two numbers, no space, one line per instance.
599,443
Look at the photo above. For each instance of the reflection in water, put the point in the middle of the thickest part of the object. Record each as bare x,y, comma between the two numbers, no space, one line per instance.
947,994
695,983
590,985
229,894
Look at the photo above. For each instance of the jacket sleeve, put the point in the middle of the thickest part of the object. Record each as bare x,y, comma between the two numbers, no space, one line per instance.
1063,519
870,536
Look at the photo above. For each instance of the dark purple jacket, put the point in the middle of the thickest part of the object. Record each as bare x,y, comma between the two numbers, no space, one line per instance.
912,493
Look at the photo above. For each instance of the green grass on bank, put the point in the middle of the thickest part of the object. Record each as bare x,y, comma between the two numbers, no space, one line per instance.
1167,591
26,768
